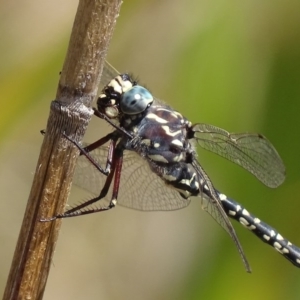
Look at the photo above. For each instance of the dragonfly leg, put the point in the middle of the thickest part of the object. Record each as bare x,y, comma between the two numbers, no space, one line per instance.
101,115
85,151
80,210
262,230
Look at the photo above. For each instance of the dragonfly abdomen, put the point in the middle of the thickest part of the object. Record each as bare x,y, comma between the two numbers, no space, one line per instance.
262,230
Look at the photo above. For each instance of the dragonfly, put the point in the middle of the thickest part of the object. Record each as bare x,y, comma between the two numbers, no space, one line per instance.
149,162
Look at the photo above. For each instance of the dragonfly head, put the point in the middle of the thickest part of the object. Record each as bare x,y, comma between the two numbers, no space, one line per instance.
122,96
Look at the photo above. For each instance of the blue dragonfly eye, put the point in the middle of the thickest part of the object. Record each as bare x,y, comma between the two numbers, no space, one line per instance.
135,100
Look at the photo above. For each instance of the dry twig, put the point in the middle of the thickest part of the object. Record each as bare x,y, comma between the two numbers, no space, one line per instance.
70,112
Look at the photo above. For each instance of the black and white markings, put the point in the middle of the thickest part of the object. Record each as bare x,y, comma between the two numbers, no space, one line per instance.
265,232
153,166
156,118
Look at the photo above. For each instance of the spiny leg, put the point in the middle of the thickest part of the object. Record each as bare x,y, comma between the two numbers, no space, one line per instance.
101,115
116,173
79,209
85,151
262,230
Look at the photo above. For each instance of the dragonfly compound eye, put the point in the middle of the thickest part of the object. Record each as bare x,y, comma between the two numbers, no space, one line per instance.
135,100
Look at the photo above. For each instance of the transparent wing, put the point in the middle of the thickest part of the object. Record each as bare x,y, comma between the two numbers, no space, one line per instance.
140,188
109,72
251,151
211,203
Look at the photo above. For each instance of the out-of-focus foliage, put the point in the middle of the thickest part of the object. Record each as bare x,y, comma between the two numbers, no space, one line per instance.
232,64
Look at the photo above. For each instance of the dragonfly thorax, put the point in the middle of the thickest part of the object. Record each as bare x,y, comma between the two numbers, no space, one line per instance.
161,136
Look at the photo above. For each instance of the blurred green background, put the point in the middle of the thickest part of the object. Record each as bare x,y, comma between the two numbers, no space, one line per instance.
234,64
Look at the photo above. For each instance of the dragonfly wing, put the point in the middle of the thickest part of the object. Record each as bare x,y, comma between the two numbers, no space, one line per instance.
211,203
140,188
108,73
253,152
